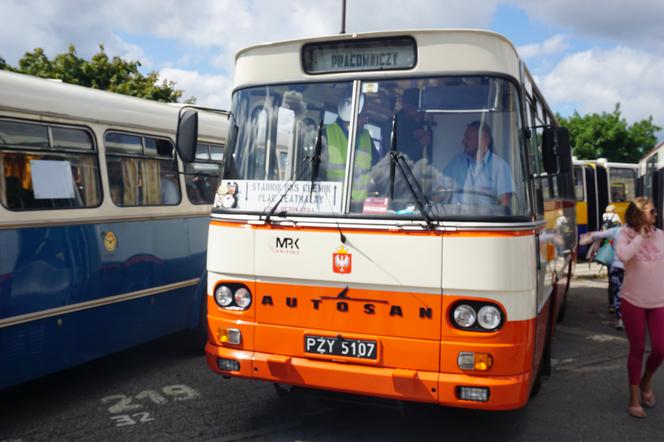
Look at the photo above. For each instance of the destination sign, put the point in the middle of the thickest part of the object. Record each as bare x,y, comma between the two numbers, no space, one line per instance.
359,55
298,196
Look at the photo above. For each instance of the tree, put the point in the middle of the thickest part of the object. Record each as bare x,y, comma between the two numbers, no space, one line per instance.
607,135
100,72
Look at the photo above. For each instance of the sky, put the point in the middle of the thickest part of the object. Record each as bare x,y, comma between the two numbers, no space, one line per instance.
586,55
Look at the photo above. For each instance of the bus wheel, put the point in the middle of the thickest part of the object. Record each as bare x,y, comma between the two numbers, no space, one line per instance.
202,330
537,385
563,307
545,365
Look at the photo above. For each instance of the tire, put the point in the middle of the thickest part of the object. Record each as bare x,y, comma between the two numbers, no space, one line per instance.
545,365
202,331
563,307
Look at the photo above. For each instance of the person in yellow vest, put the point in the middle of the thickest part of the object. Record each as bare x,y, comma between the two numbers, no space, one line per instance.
335,150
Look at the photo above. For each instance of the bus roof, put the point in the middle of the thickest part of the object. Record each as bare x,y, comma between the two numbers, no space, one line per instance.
25,94
439,51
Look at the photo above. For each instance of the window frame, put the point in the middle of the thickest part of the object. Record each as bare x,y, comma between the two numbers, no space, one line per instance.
143,156
93,151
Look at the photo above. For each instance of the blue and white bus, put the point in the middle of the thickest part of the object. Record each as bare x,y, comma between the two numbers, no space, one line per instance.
103,233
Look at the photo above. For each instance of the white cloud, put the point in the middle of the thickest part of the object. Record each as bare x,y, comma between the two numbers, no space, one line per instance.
637,22
209,90
595,80
554,45
372,15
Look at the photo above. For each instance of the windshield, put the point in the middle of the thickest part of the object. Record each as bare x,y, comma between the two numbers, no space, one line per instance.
458,136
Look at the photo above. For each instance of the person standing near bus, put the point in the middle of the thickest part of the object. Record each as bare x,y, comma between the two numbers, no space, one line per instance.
616,270
481,176
640,246
610,218
335,140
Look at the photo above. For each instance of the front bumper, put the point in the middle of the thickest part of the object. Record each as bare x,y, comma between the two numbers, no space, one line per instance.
506,392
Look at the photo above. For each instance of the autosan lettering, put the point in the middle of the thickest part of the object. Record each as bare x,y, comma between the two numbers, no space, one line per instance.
344,304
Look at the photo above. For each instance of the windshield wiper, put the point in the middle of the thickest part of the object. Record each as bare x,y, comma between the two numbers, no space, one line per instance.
315,159
315,164
398,160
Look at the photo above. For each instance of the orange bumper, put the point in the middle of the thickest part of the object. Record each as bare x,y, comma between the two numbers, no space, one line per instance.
506,392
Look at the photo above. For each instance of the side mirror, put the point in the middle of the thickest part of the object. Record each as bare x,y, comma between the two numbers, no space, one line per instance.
187,135
549,151
556,152
564,150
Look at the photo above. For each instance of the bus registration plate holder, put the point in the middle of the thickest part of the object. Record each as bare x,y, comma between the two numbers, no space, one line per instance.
351,348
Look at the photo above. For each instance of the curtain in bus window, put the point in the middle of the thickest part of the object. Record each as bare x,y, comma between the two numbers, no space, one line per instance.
151,182
130,181
3,194
88,172
18,166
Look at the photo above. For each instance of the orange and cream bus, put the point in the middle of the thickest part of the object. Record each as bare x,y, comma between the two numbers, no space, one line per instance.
429,272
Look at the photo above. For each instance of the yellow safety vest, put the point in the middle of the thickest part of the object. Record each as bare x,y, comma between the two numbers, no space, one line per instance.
337,145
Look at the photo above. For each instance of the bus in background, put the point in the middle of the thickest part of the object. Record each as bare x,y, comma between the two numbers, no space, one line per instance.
103,234
384,270
651,178
597,184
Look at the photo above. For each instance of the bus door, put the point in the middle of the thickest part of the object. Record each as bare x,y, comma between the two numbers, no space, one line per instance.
594,217
602,192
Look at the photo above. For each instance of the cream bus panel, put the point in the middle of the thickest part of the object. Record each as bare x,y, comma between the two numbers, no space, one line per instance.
380,261
231,250
500,268
489,263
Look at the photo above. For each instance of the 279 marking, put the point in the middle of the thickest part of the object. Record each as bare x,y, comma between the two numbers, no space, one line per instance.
122,403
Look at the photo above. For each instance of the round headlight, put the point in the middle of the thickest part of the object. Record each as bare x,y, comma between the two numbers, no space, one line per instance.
489,317
242,297
223,295
464,316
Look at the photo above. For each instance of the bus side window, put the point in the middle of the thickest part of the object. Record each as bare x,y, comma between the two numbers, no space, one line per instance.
47,167
141,170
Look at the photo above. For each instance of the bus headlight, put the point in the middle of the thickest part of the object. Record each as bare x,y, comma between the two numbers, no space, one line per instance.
489,317
223,295
464,316
472,315
242,297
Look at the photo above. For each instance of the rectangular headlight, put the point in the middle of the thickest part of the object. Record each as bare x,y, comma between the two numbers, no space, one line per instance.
476,394
228,364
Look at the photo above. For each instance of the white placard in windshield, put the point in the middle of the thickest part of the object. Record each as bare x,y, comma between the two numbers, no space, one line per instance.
261,195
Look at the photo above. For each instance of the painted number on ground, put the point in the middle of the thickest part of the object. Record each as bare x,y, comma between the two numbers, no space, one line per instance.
125,408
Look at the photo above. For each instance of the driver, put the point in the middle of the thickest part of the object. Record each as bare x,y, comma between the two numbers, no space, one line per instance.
480,176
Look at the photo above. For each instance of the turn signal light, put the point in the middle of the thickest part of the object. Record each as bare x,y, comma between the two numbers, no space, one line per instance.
474,361
230,336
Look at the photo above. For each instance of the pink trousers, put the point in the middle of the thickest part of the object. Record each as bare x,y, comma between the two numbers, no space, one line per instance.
635,319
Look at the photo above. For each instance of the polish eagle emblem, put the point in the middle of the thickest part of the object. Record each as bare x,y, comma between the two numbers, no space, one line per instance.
342,260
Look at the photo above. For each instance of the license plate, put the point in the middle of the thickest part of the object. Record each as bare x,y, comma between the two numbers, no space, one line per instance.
352,348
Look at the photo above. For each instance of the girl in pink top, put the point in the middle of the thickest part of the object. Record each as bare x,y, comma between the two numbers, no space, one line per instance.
640,246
